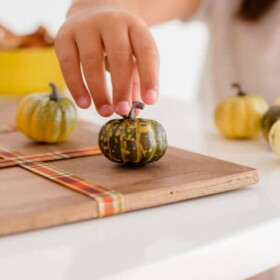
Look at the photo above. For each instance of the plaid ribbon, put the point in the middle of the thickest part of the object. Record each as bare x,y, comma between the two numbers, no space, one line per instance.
109,202
5,128
50,156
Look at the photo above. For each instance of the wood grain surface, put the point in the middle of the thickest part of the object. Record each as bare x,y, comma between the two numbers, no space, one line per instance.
29,202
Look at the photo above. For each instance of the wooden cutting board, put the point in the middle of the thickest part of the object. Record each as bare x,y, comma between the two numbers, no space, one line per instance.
28,201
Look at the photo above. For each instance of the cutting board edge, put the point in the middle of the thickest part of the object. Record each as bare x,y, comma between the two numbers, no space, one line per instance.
181,193
90,213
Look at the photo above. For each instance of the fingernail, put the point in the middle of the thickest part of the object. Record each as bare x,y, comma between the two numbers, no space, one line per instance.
122,107
106,110
151,96
83,102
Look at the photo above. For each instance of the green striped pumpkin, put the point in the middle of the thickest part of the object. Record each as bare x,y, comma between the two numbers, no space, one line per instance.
133,141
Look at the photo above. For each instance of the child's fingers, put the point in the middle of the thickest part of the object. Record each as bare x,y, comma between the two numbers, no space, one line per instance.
136,92
68,57
146,53
119,53
92,60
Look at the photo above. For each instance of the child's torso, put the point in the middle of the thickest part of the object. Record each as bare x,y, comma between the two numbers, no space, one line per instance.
246,52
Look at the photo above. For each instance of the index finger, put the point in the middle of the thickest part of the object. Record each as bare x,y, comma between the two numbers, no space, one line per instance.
146,53
68,56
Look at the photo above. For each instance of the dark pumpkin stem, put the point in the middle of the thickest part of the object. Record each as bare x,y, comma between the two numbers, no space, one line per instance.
135,105
55,95
239,88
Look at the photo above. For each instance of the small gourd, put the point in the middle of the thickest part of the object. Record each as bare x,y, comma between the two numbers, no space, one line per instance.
48,118
133,141
239,117
270,117
274,138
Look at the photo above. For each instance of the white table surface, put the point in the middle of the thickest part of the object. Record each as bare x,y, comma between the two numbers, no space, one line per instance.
227,236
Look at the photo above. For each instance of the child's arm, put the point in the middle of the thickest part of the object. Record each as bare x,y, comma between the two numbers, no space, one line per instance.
114,33
151,11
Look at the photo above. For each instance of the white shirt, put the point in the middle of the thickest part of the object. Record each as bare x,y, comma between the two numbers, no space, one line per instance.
239,51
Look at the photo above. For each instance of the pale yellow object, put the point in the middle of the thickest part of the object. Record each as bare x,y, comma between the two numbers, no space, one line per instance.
240,116
23,71
277,101
274,138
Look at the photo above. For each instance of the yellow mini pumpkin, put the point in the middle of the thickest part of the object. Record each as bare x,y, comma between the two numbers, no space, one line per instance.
274,138
239,117
48,118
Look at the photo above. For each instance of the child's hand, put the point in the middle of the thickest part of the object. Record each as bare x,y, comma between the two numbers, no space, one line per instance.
99,37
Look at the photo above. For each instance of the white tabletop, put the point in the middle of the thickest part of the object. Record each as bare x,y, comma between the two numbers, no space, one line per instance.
227,236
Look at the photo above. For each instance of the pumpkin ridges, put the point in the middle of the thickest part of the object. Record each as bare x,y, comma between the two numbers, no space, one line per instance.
162,145
138,144
248,119
36,122
250,122
228,130
242,117
129,143
140,133
153,126
164,142
26,109
257,107
108,138
114,142
108,129
232,119
42,122
122,139
118,146
155,134
68,112
50,124
230,110
65,129
30,117
145,135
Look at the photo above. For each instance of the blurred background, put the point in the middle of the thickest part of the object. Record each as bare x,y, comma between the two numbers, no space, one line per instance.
182,46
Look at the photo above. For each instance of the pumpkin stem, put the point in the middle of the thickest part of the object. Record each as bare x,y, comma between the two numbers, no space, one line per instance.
239,88
55,95
135,105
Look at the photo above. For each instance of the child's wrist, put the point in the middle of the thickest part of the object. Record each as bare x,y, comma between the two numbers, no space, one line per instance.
78,5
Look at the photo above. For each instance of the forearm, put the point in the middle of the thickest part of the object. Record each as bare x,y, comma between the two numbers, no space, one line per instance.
152,11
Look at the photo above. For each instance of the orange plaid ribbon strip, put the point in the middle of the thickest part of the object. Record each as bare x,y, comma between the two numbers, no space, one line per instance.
50,156
109,202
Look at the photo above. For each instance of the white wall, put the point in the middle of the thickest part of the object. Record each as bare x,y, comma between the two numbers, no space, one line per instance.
182,46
